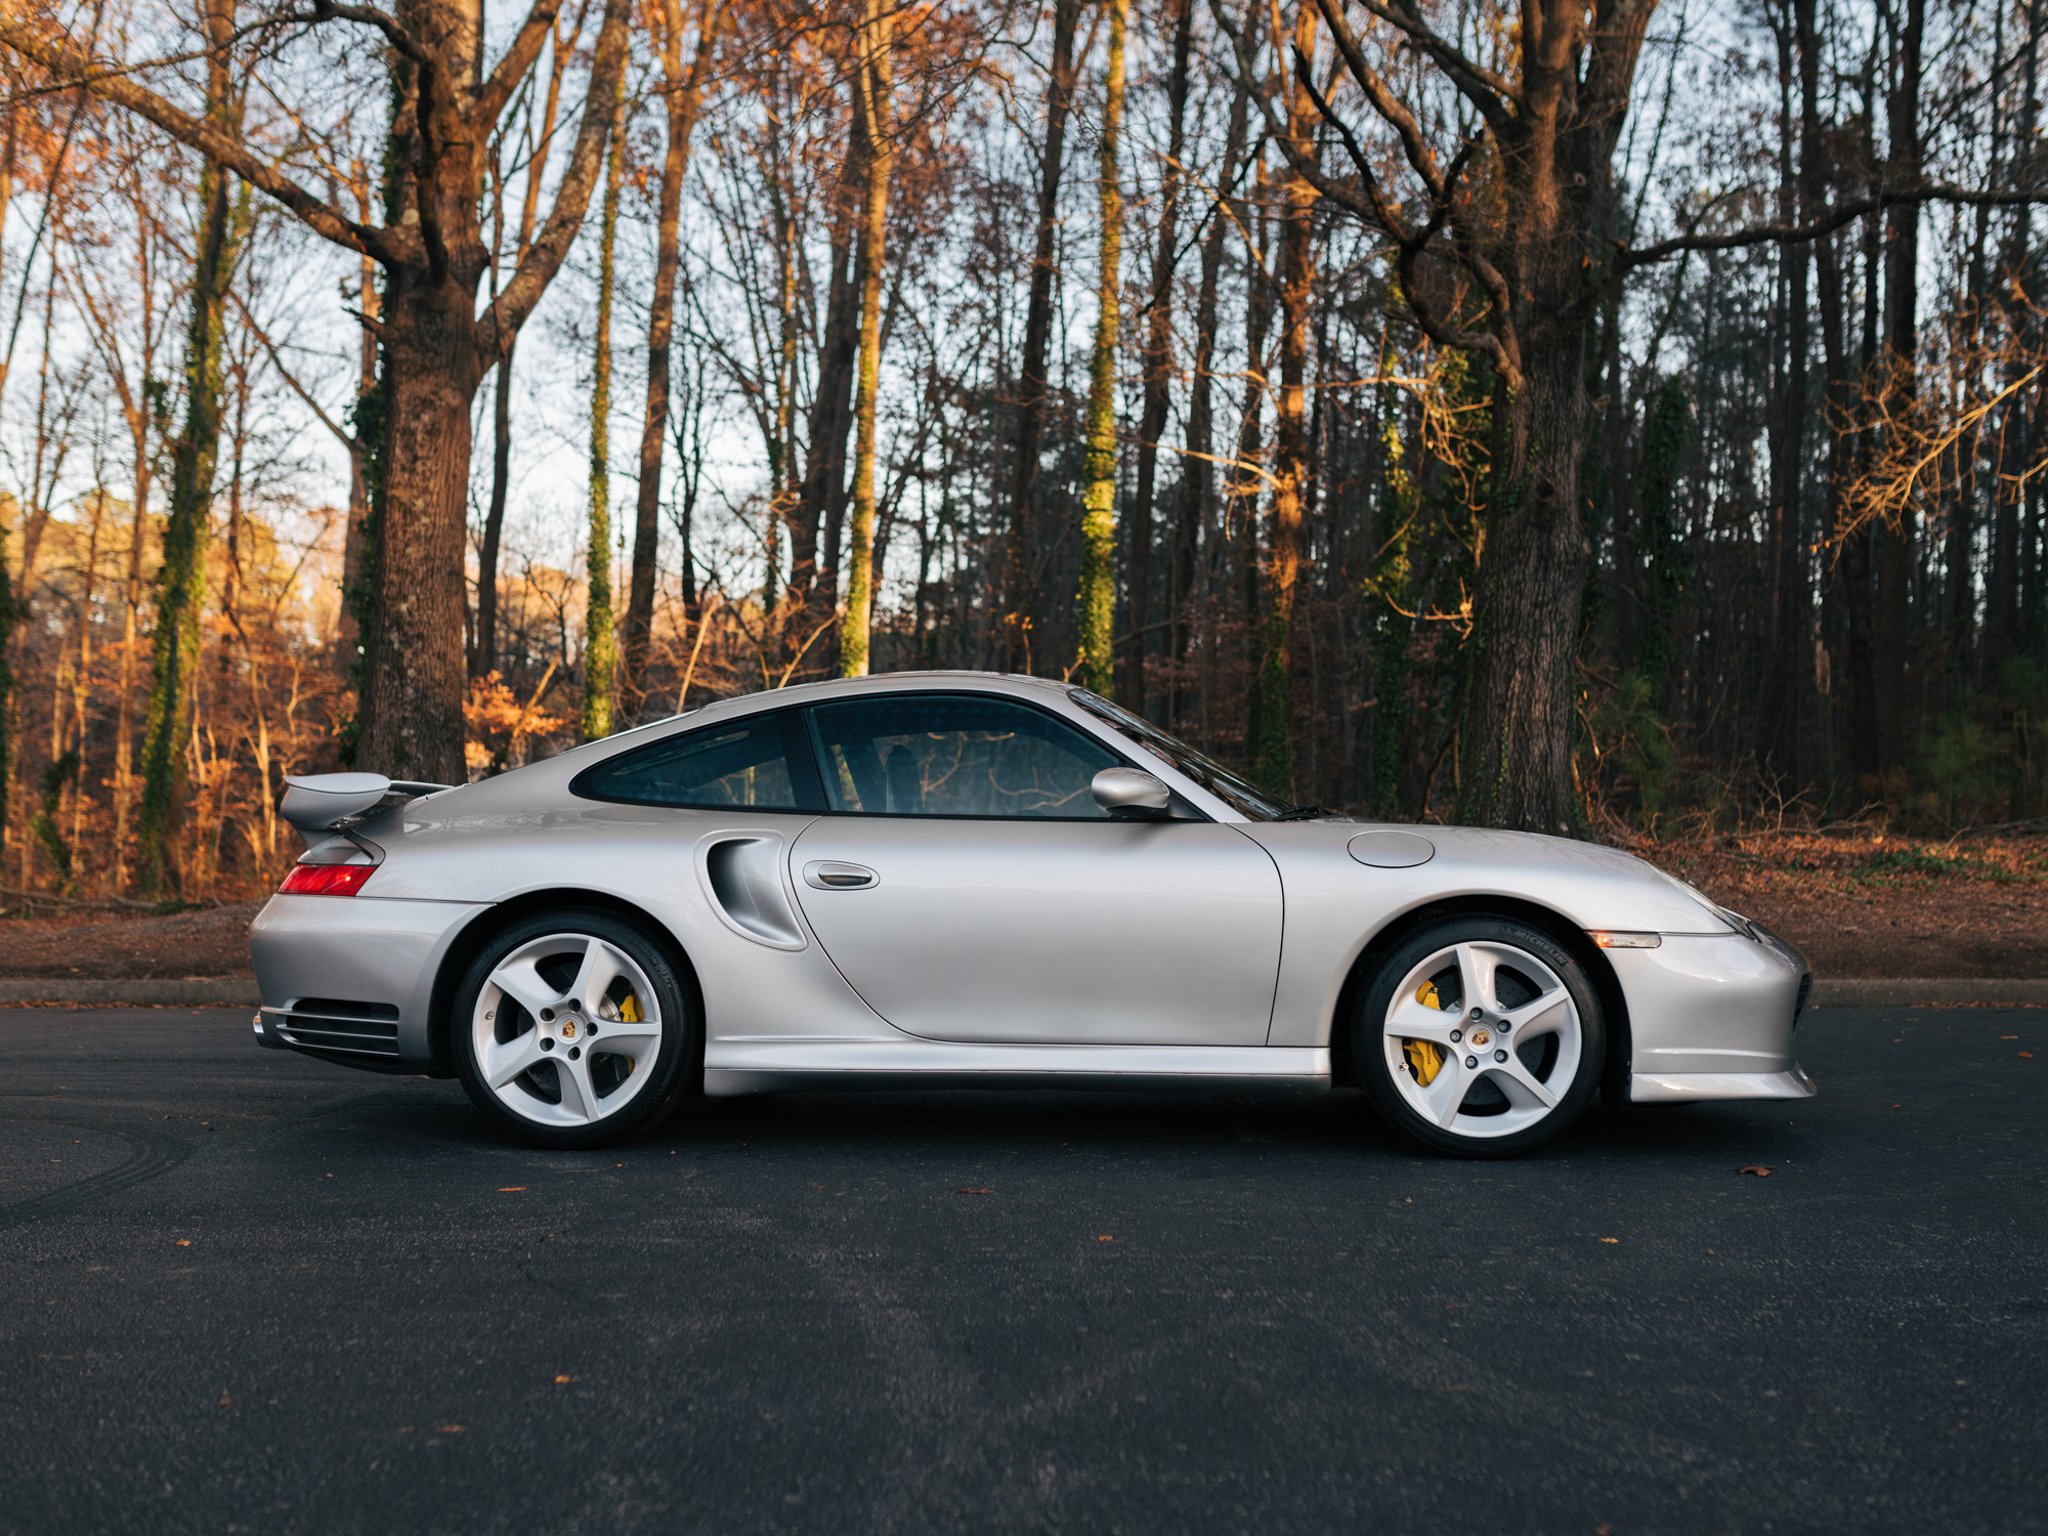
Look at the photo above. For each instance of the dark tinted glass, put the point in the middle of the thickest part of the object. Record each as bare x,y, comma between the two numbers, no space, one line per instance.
953,755
742,764
1207,772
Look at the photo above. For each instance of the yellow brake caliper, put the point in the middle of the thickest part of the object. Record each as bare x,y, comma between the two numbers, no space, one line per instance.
629,1013
1425,1060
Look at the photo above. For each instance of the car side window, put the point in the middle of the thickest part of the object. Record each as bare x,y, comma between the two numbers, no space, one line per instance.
745,764
955,755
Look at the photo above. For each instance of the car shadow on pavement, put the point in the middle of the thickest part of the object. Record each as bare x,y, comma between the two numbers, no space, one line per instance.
1105,1124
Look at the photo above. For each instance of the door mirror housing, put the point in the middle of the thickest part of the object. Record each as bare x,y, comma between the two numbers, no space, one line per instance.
1131,794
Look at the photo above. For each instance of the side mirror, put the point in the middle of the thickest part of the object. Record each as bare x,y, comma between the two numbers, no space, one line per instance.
1131,794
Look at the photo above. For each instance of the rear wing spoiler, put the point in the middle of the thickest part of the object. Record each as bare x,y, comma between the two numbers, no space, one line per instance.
321,804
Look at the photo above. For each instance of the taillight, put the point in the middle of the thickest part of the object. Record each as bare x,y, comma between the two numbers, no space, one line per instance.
326,879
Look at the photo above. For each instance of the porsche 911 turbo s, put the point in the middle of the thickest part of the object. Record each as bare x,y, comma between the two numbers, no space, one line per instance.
952,879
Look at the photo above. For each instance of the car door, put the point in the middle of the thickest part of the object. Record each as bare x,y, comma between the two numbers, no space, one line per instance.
968,887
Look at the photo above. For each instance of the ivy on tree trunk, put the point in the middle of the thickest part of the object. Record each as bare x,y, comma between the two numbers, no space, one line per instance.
874,90
1096,605
181,583
600,643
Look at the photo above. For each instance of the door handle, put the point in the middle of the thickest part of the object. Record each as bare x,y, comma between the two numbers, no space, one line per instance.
833,875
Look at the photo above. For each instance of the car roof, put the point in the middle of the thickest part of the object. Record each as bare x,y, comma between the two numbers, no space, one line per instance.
1013,683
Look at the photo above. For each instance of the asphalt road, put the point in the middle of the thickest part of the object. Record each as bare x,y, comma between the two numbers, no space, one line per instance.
243,1291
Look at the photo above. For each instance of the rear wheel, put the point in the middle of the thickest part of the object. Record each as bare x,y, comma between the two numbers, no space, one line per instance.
572,1029
1480,1037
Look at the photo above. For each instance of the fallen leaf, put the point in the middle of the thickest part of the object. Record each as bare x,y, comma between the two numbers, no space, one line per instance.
972,1189
2008,1037
1756,1168
1610,1239
511,1189
2026,1055
184,1242
226,1401
563,1381
1105,1238
447,1429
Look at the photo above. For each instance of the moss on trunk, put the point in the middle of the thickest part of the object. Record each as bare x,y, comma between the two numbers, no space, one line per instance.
1095,617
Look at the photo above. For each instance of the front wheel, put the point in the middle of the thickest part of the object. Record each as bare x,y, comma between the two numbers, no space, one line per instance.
572,1030
1480,1037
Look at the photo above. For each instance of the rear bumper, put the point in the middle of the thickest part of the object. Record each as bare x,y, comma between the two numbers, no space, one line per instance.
352,980
1714,1016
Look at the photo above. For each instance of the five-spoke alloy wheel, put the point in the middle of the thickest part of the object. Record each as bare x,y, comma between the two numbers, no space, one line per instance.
1480,1037
571,1029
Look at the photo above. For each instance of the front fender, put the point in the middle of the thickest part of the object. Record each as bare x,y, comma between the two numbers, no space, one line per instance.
1337,906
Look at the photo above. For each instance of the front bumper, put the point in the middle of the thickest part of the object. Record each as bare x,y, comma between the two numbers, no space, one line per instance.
1714,1016
352,979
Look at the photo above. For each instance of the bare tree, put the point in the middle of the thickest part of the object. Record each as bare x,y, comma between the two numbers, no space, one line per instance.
437,344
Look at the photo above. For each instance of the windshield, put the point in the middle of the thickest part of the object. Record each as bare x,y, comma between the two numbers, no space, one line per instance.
1210,774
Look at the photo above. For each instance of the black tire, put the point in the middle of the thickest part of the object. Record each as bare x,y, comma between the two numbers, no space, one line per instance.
1380,1078
681,1030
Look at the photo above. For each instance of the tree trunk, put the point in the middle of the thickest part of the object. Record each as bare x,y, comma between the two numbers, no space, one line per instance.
1245,486
1813,179
600,639
1019,580
483,650
413,682
483,656
1158,361
1516,729
181,584
1272,745
1095,617
1901,286
813,520
682,95
2005,611
875,89
1515,753
1784,700
9,612
1193,501
347,629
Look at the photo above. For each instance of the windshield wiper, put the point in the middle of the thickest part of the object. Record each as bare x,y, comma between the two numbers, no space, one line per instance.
1302,813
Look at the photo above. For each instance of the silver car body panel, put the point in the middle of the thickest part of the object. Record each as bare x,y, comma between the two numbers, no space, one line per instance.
1110,932
1212,951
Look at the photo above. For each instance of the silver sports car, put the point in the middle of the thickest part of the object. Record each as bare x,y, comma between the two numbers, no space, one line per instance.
955,879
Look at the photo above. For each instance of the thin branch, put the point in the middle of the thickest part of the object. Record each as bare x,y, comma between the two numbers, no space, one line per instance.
1799,233
519,58
537,267
1486,90
74,68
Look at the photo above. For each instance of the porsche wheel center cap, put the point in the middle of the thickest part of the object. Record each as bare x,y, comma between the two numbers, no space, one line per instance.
1479,1037
568,1029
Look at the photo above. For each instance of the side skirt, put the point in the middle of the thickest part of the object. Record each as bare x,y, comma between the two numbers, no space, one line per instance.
773,1065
